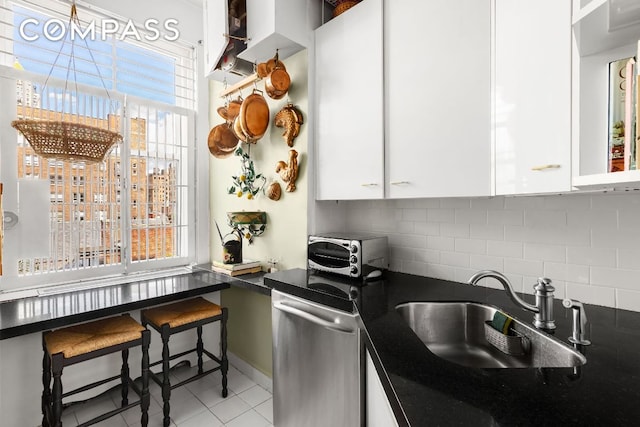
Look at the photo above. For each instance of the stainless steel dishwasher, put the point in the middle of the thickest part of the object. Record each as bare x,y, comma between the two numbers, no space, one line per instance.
317,365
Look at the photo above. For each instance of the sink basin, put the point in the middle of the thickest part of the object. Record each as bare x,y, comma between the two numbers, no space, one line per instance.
455,331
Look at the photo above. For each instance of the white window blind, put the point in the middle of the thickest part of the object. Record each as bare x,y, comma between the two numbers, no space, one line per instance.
131,213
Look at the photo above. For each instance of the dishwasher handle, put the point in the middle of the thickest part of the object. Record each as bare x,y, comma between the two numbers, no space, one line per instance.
312,318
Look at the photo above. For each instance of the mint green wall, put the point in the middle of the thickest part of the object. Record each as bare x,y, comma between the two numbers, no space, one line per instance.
286,234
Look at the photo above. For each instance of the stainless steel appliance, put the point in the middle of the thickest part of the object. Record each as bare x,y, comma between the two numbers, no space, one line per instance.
348,254
317,364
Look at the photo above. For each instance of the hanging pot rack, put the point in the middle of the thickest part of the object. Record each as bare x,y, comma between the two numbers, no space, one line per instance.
242,84
68,139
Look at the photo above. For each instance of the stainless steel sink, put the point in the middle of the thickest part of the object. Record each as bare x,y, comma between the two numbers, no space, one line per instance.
455,331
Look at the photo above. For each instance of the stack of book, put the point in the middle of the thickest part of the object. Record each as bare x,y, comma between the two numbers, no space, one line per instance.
624,149
238,269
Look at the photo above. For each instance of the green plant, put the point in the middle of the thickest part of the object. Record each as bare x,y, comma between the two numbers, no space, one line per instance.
247,181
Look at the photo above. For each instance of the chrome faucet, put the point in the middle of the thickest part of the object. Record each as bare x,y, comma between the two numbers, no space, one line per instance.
543,317
579,335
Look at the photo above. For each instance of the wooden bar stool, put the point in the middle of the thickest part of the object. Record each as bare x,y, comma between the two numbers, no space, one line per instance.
178,317
79,343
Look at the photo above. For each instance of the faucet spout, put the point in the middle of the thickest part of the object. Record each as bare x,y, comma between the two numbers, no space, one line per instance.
506,285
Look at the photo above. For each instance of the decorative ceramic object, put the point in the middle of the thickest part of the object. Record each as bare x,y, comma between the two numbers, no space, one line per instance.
289,171
250,224
274,191
247,182
289,118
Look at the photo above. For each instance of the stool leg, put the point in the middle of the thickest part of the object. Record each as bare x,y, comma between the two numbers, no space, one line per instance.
46,385
199,348
223,341
166,384
57,363
124,377
145,399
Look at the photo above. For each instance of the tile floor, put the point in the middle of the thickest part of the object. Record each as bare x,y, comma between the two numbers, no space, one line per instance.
196,404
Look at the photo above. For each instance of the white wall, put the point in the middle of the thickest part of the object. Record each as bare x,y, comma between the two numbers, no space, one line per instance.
286,233
589,244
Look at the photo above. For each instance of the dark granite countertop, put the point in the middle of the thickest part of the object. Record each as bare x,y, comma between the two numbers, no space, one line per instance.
35,314
424,389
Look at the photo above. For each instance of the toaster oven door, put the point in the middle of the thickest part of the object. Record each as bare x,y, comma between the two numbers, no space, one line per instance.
331,255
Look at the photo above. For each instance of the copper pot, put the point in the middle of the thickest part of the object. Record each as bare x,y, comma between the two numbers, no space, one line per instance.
254,116
277,83
222,141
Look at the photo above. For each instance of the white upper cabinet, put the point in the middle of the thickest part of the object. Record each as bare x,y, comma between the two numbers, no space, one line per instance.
216,25
438,97
269,25
349,105
532,90
603,31
286,25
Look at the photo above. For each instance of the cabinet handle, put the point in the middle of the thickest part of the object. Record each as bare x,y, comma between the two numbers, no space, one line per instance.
545,167
371,184
400,183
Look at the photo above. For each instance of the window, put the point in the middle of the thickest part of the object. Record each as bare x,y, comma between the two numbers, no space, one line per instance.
100,221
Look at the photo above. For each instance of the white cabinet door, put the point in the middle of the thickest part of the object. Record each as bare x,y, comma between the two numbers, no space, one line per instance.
438,97
378,409
532,96
215,27
349,106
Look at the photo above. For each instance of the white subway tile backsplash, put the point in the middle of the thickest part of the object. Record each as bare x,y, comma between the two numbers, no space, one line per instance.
591,219
567,272
454,230
485,203
454,259
534,218
533,202
628,300
441,243
523,267
577,236
614,238
416,215
628,218
408,240
485,262
588,244
506,217
426,203
541,252
602,257
505,249
471,246
455,203
415,267
428,256
427,228
443,272
615,278
591,294
402,252
462,275
567,202
629,259
487,232
615,201
470,216
441,215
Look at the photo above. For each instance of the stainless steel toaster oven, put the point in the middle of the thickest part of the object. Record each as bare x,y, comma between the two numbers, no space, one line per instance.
348,254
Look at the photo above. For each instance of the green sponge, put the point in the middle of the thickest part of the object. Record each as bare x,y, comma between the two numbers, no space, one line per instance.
501,322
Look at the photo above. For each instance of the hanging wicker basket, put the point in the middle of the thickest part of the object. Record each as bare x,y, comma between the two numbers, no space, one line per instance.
67,141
